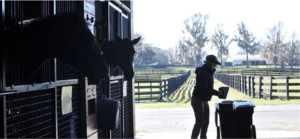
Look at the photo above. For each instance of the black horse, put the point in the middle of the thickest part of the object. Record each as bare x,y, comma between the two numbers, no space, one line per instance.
121,53
67,37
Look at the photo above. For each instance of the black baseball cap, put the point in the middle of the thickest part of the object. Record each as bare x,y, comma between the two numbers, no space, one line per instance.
213,59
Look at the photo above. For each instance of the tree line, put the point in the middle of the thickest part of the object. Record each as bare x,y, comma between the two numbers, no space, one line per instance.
275,48
146,53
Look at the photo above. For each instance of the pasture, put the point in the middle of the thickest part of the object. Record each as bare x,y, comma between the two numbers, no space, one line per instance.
182,97
152,87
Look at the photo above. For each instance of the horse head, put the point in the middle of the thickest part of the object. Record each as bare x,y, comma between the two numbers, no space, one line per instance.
125,53
65,36
81,49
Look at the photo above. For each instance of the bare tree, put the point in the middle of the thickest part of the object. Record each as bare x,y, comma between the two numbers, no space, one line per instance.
293,50
160,56
143,52
221,41
171,56
182,51
197,36
274,48
246,41
203,56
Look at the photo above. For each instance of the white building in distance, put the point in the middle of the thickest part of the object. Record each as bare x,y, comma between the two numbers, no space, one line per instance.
239,60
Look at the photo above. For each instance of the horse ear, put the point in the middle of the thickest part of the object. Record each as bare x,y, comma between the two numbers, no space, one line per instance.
135,41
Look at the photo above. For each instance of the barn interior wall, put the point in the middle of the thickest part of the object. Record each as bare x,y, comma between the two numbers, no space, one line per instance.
11,73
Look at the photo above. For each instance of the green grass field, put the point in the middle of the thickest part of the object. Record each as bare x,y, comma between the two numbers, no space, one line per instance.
155,85
182,97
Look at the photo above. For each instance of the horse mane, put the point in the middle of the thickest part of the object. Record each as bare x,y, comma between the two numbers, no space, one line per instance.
65,36
48,21
36,37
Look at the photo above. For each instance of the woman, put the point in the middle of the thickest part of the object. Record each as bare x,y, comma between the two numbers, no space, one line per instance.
202,93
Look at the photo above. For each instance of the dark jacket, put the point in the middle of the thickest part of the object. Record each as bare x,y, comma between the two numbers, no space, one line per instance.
204,83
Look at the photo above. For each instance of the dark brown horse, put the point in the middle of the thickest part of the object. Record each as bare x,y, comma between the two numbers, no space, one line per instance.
121,53
64,36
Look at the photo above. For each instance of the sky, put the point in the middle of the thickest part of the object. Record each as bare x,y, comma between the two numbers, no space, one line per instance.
161,21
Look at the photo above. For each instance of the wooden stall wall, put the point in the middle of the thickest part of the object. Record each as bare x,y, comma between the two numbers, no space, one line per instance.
33,110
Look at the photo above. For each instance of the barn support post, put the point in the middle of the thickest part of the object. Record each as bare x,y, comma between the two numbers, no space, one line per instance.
48,8
2,62
55,94
3,133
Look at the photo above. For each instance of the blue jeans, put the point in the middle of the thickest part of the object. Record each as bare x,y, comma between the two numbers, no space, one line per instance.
201,110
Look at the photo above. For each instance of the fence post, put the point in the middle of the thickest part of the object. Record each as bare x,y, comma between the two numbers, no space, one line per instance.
287,88
168,88
271,87
279,72
245,80
249,85
165,88
245,85
228,77
236,82
160,89
240,83
252,86
259,90
151,91
233,81
243,90
139,92
230,80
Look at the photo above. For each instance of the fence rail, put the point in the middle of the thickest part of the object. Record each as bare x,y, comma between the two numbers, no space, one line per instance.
138,72
156,77
271,72
261,71
154,90
262,86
